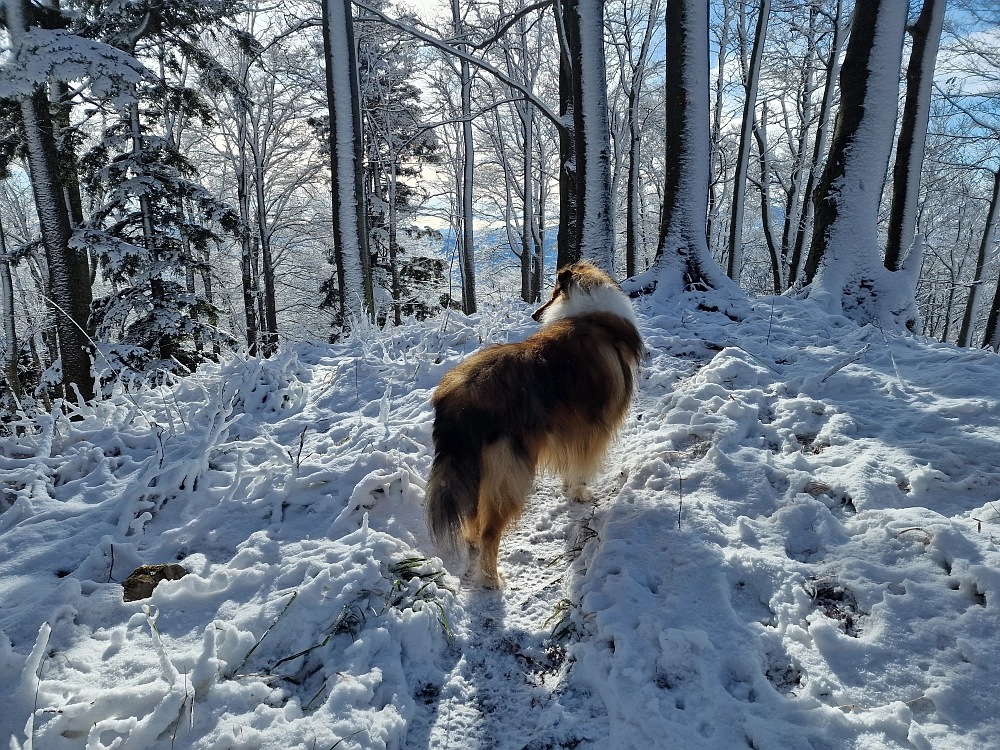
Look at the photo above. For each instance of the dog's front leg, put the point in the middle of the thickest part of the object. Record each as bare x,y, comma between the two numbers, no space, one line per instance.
579,490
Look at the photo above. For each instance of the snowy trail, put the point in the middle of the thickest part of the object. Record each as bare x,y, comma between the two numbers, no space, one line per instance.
510,665
510,688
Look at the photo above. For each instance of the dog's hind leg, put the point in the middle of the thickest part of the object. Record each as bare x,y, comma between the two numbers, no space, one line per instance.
507,477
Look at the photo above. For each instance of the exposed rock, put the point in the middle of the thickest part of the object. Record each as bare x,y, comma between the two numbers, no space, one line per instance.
143,580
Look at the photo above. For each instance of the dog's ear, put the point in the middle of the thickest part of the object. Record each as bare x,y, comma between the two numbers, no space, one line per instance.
565,275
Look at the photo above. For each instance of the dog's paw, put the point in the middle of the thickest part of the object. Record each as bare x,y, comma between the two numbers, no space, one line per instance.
490,580
579,492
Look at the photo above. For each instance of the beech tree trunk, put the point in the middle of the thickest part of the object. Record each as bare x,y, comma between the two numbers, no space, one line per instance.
568,28
926,33
990,337
633,215
586,216
683,260
247,276
819,146
843,266
466,248
270,334
350,228
7,312
752,73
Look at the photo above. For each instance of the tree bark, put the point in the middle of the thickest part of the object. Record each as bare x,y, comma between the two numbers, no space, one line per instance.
593,138
270,334
54,222
247,277
990,337
845,235
743,159
717,168
682,257
795,206
760,135
350,230
819,146
55,226
466,247
926,33
568,32
633,217
7,312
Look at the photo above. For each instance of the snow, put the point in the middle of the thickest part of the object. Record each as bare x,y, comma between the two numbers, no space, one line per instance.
826,575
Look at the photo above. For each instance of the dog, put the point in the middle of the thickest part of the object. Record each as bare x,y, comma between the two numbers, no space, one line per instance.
554,400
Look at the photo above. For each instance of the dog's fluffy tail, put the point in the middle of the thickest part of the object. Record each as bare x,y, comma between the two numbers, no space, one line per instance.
452,488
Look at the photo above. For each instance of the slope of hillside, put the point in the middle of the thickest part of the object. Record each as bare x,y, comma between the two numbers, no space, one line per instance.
794,546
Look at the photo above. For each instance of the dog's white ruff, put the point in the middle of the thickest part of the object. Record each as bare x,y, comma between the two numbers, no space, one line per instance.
605,299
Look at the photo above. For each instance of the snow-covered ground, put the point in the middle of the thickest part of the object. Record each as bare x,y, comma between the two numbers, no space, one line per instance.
825,576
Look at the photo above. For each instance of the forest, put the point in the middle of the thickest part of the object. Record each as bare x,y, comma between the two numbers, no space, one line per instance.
172,185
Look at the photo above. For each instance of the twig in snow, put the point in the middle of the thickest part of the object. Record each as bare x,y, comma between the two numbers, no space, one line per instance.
346,737
297,459
899,378
236,671
753,356
849,361
680,495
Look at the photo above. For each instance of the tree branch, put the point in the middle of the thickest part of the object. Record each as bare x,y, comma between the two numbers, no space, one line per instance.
510,22
472,59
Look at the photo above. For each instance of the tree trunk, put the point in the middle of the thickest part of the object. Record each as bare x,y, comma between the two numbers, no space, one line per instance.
69,177
794,205
717,169
249,281
743,159
53,219
270,336
633,217
7,312
397,292
568,32
682,256
819,147
466,248
843,263
991,337
54,222
593,138
538,265
926,33
528,210
350,230
760,134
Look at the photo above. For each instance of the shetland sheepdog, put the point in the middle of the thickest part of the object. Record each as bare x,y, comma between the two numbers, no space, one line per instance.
554,401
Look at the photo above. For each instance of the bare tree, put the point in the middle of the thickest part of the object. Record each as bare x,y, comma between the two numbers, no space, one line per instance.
682,256
926,33
844,267
751,78
53,214
354,273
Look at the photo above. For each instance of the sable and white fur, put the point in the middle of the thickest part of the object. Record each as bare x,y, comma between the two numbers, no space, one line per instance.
555,400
